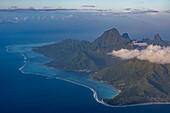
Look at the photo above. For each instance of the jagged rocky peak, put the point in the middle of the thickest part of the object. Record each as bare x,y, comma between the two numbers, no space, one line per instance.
113,30
111,33
125,35
110,38
157,37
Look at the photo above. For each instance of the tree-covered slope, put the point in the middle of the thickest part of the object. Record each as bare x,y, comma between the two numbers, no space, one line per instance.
110,38
139,82
63,48
71,54
80,61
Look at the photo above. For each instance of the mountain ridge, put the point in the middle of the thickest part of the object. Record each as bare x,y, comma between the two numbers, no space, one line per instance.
75,55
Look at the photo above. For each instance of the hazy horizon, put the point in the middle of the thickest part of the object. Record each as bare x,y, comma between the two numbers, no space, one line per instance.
79,25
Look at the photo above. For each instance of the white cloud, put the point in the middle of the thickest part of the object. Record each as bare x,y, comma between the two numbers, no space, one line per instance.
155,54
139,44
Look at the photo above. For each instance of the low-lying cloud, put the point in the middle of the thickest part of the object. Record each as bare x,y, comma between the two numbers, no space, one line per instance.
110,14
32,9
88,6
58,9
168,11
13,7
153,53
140,11
139,44
128,9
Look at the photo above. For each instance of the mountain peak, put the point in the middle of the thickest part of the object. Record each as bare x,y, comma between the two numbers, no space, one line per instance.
112,31
125,35
157,37
110,38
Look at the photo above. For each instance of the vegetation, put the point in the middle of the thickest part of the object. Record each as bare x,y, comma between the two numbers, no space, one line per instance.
139,81
71,54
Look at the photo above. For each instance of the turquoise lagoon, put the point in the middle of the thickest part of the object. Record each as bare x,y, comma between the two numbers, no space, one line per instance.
34,64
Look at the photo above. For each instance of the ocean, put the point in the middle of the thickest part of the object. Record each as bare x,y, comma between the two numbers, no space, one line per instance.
31,90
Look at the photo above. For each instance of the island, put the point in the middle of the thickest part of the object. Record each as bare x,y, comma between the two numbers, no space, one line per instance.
138,81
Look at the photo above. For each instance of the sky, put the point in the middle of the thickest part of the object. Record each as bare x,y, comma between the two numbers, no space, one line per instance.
140,18
112,5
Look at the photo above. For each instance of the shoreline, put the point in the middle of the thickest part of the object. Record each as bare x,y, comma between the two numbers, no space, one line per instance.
94,92
142,104
132,105
25,63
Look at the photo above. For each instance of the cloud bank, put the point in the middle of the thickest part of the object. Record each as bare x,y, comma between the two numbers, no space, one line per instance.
139,44
128,9
32,9
13,7
88,6
168,11
154,54
139,11
57,9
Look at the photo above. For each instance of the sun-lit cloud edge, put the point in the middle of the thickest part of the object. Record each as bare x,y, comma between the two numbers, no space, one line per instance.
90,8
152,53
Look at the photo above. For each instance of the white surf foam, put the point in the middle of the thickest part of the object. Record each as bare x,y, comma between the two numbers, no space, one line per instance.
94,92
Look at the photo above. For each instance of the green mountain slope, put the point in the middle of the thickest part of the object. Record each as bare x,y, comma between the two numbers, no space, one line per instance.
139,82
78,61
63,48
110,38
66,53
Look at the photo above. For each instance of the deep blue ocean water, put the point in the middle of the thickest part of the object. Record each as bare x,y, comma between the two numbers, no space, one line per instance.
34,64
31,93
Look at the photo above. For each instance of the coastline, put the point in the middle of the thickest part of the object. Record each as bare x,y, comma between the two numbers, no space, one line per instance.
142,104
94,92
25,63
131,105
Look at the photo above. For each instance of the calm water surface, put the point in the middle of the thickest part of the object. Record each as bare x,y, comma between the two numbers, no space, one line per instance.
31,93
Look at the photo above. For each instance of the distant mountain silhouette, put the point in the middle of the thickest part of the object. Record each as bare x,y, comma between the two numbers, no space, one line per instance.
156,41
